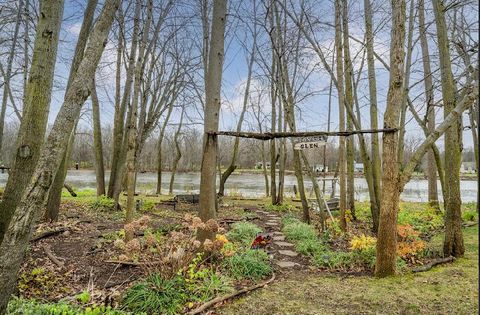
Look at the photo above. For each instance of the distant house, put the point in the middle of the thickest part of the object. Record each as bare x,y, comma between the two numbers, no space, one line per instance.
319,168
468,168
358,167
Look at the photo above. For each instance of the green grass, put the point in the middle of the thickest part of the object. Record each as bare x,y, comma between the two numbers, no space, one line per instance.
446,289
243,232
250,264
19,306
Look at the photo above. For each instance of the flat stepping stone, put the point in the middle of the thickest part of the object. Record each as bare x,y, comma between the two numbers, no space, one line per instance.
277,233
289,253
279,238
284,244
270,223
286,264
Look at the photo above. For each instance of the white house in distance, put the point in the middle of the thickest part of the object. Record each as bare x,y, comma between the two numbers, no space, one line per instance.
358,167
468,168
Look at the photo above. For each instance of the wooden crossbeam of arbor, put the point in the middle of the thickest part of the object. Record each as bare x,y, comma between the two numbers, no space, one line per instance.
274,135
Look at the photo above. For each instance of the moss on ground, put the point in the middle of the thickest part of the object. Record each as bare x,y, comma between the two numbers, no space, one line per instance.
447,289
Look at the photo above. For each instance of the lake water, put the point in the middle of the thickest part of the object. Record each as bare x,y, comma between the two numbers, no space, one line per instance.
253,185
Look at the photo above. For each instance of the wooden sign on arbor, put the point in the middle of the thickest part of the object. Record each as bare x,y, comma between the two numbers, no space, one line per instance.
314,142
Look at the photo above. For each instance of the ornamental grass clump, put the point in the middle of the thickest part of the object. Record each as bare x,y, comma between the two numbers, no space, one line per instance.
243,232
250,264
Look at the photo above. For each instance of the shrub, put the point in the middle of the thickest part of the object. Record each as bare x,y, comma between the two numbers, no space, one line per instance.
250,264
243,232
470,215
103,203
334,260
156,295
203,283
421,218
19,306
362,242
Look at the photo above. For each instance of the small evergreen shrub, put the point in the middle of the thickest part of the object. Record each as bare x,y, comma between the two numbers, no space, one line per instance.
250,264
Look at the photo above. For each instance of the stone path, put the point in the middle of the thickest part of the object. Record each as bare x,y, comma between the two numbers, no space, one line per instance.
281,251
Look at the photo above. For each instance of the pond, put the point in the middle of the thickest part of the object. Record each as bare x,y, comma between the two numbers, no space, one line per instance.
253,185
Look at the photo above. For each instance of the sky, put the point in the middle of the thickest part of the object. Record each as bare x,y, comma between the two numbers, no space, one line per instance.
314,109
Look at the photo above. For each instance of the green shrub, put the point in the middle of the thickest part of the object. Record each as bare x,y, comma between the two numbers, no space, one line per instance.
203,283
469,215
422,218
103,203
147,205
250,264
244,232
156,295
296,231
19,306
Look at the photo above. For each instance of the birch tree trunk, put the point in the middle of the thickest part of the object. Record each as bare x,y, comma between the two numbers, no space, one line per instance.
97,142
387,231
36,106
212,111
16,239
427,74
453,244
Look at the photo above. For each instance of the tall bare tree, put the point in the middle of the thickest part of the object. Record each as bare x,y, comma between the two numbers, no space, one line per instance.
453,244
36,107
213,84
16,238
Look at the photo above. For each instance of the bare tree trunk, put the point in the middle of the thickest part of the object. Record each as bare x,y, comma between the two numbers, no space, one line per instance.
372,85
231,168
273,99
453,244
350,154
36,106
18,233
212,107
178,155
406,84
160,152
97,142
8,73
316,189
55,193
341,104
427,74
132,131
387,231
120,135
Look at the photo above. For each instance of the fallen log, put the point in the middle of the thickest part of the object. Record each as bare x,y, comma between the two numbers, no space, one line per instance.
219,299
433,263
125,263
52,257
48,234
70,189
